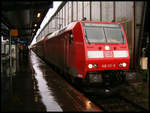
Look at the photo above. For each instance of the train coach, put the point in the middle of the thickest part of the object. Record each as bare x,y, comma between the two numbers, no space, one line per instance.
89,52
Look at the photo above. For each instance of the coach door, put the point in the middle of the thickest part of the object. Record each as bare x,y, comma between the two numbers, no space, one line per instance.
67,46
66,51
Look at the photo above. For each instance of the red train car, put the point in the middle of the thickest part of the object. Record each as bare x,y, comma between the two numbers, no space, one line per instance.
95,52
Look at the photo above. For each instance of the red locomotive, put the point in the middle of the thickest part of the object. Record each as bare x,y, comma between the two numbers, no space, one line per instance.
94,52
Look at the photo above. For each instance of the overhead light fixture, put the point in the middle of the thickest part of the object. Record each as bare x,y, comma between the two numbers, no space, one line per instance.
35,25
33,29
38,15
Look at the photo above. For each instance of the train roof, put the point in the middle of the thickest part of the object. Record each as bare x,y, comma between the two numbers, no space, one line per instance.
71,26
66,28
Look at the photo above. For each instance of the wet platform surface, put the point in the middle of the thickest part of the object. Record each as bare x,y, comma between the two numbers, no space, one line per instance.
31,85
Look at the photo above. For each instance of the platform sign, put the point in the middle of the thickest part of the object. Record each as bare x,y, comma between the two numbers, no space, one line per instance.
23,41
14,32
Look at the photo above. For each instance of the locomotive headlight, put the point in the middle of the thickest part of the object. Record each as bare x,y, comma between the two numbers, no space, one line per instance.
123,64
107,47
90,66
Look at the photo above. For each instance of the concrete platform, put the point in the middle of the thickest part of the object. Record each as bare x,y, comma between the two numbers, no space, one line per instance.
34,86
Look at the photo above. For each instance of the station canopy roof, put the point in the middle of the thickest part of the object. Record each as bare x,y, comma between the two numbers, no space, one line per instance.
25,16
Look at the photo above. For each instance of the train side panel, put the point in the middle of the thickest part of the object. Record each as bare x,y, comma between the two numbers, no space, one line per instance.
57,51
79,51
50,50
68,55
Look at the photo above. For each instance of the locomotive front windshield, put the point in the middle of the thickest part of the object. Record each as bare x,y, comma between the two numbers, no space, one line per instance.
103,33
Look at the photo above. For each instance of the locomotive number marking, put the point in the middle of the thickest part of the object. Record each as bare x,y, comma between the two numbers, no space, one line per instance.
108,65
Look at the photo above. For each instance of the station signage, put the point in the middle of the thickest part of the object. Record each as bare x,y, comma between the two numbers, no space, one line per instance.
14,32
23,41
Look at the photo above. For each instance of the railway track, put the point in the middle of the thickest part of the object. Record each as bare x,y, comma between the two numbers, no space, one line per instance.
116,103
113,103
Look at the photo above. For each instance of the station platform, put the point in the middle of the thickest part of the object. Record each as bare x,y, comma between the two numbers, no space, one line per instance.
29,84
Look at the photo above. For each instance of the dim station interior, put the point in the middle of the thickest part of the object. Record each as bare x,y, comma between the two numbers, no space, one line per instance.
29,83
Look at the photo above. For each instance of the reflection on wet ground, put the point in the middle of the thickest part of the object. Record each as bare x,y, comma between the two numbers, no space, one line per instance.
17,92
44,91
36,87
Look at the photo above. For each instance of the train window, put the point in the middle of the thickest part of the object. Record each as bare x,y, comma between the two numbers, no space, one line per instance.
95,35
114,35
103,33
